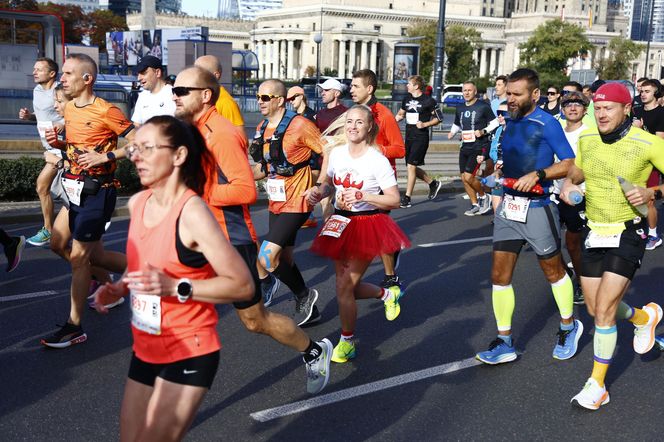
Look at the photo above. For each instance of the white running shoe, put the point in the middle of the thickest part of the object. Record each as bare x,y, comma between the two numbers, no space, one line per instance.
485,204
592,396
644,335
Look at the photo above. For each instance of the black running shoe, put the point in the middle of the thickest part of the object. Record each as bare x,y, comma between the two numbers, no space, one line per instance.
434,188
390,281
578,296
405,202
68,335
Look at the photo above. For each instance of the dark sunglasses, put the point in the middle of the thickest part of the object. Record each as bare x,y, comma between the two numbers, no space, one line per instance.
182,91
502,113
551,93
564,92
293,97
266,97
574,103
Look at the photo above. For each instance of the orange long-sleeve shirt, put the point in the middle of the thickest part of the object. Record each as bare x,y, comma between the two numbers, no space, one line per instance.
389,137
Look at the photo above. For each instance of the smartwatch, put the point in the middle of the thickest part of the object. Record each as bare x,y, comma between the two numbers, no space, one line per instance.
541,174
184,290
110,156
658,194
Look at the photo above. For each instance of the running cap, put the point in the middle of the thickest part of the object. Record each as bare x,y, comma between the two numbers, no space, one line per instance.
149,61
295,90
615,92
331,83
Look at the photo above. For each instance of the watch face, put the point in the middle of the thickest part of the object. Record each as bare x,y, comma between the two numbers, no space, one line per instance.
184,288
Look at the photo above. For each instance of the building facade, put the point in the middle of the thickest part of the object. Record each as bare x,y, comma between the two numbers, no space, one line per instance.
86,5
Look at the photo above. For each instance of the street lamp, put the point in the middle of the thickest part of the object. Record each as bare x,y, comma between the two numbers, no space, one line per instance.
318,39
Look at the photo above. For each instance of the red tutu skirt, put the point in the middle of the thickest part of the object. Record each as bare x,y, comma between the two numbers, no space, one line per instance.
364,238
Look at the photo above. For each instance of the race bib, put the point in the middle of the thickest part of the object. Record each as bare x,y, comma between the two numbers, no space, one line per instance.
276,190
335,226
146,313
468,136
73,189
412,117
515,208
42,126
596,241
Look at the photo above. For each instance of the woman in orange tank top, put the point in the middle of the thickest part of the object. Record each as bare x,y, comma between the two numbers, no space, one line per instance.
179,264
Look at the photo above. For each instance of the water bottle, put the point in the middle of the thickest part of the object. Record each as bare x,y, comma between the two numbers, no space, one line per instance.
575,197
626,187
491,181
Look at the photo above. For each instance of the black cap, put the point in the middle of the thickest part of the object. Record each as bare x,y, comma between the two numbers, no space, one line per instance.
149,61
596,84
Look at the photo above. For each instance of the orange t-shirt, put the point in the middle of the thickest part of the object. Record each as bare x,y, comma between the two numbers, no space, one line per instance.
230,188
301,138
187,329
94,127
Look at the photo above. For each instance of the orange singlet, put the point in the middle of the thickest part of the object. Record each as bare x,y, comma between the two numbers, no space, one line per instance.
166,330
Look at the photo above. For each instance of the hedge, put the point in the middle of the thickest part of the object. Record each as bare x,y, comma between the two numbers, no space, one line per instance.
18,178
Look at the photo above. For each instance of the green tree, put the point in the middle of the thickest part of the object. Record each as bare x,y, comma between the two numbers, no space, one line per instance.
552,45
426,29
619,64
23,5
77,23
103,21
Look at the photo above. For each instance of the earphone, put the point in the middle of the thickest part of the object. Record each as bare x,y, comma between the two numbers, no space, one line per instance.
86,76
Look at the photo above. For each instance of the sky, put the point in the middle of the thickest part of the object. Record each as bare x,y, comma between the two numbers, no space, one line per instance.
206,8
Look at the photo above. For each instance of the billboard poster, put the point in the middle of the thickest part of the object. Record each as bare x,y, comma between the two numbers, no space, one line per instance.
128,47
152,43
406,63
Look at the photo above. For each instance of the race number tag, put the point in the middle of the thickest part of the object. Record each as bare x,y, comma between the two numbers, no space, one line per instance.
73,189
595,241
515,208
412,117
146,313
42,126
468,136
276,190
335,226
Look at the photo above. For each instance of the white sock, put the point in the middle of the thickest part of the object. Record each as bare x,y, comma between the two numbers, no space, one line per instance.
347,338
386,295
652,231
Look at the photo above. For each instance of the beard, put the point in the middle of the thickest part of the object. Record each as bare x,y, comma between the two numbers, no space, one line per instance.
522,110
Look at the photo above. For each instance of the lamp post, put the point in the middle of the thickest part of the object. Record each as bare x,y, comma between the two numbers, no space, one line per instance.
439,63
318,39
652,7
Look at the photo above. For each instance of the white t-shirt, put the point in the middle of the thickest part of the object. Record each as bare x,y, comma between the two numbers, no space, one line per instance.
573,140
42,103
149,105
369,173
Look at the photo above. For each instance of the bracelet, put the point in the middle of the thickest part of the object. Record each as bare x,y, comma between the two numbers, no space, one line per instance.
358,195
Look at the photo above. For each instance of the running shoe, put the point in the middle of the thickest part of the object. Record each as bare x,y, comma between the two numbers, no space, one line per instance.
653,242
568,341
592,396
390,281
269,289
310,222
485,204
434,188
304,308
569,268
318,370
474,210
343,352
41,238
405,202
14,251
91,302
66,336
644,335
498,353
392,307
578,296
659,340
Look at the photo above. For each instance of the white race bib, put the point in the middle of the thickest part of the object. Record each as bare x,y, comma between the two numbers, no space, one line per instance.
73,189
276,189
42,126
412,117
146,313
595,241
468,136
515,208
335,226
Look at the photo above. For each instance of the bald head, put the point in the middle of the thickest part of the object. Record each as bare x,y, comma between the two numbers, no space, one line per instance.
198,77
211,64
275,87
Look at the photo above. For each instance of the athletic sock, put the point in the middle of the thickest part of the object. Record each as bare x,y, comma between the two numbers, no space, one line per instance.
563,292
624,311
502,297
385,294
312,352
347,336
507,339
639,317
567,327
604,344
291,276
652,232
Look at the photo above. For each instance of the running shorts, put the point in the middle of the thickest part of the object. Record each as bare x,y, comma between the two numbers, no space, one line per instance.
198,371
468,161
572,217
623,260
284,227
88,221
249,253
416,150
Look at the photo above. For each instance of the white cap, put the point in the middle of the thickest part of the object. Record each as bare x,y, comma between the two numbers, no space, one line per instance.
331,83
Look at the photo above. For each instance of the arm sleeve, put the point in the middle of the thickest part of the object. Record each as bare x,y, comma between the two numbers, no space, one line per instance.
493,125
232,163
391,142
558,141
457,119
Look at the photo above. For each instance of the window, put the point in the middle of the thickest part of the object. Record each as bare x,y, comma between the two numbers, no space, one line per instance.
349,25
314,26
390,6
377,28
404,31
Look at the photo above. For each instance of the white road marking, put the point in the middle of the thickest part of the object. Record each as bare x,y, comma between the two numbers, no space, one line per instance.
361,390
27,296
458,241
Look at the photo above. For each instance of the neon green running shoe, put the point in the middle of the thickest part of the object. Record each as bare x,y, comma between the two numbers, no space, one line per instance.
343,352
392,307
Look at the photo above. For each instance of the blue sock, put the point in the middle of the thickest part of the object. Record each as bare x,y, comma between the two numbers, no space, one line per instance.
507,339
567,327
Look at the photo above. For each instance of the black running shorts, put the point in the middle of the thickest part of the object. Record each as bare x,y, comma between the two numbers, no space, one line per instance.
573,217
284,227
468,160
416,150
249,253
623,260
198,371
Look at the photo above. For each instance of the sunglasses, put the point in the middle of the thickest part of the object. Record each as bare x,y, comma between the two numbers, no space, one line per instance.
552,93
293,97
266,97
181,91
502,113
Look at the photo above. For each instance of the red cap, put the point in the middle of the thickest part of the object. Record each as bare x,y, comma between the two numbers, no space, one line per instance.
615,92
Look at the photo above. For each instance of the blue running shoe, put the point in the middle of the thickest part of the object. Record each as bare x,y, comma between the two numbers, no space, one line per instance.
498,353
659,342
568,341
41,238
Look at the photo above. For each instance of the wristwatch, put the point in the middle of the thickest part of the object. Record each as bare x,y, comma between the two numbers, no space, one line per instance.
658,194
184,290
541,174
110,156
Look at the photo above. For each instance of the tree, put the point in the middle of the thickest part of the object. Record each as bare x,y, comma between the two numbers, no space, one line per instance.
552,45
426,29
103,21
23,5
77,23
619,63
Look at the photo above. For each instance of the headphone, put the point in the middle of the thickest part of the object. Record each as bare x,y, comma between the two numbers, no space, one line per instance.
86,76
658,92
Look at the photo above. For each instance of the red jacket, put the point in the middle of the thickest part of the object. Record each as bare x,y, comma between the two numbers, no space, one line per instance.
389,137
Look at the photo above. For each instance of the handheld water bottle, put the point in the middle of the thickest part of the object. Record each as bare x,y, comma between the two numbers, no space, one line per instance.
492,181
626,187
575,197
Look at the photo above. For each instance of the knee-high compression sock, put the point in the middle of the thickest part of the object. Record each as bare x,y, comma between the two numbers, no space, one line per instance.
291,276
503,306
604,344
563,293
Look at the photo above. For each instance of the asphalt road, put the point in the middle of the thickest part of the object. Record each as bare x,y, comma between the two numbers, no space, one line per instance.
413,379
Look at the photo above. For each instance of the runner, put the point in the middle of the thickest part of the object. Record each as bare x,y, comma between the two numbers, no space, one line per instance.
615,239
44,73
157,96
226,105
282,149
421,112
358,231
531,139
230,191
179,264
13,246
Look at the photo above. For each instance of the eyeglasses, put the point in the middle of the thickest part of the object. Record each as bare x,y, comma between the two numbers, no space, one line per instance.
267,97
552,93
573,104
181,91
145,150
293,97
